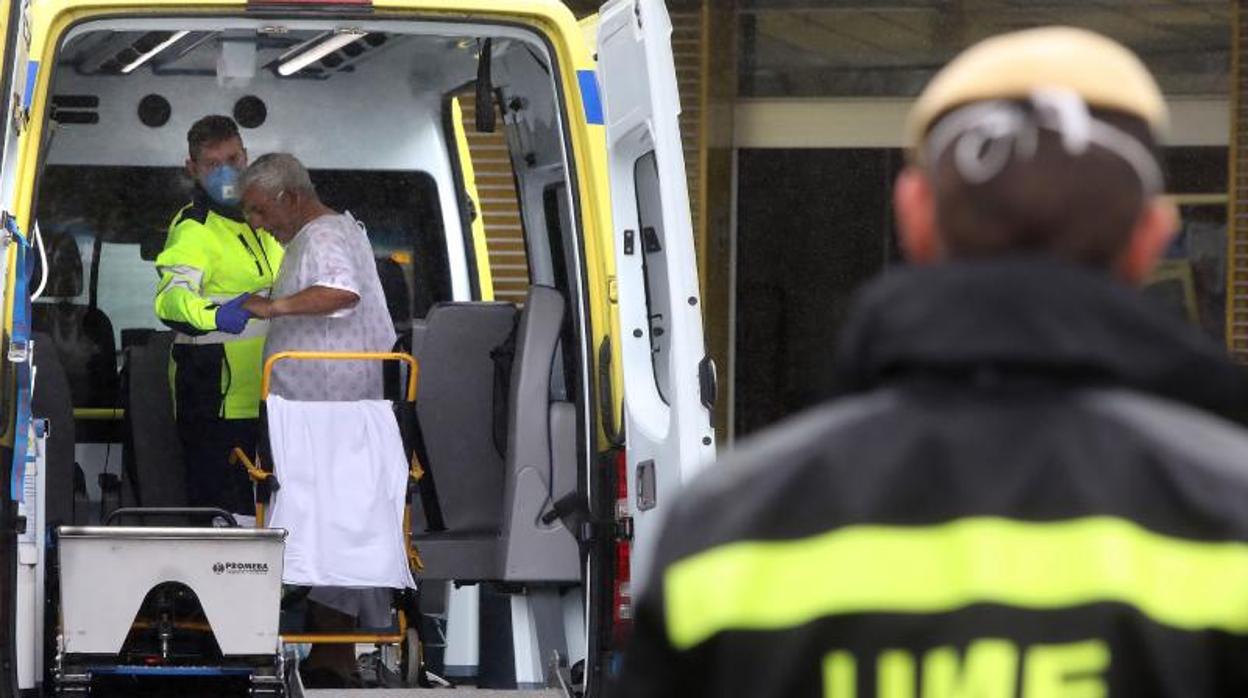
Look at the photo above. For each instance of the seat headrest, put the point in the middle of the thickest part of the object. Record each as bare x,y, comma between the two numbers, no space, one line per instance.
394,286
64,266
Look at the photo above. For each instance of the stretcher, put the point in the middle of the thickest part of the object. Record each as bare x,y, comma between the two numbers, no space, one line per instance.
143,604
146,603
401,640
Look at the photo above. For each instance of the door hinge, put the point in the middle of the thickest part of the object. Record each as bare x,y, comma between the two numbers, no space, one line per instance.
8,227
599,529
650,240
623,529
21,114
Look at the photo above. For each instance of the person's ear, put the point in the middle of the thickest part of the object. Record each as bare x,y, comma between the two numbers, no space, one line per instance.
915,205
190,169
1153,232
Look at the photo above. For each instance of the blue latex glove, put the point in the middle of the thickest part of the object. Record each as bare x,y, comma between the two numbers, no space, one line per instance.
232,317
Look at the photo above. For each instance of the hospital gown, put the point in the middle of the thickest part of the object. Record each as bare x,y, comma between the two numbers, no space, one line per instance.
333,251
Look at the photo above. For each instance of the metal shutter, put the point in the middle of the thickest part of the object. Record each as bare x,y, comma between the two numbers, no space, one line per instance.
1237,229
500,205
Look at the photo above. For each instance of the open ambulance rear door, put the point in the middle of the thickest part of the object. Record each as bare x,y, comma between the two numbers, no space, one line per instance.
20,531
669,383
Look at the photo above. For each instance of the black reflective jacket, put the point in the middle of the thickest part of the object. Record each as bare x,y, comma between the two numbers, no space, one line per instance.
1026,491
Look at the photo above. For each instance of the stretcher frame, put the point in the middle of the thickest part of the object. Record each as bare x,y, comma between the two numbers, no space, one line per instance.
75,667
266,482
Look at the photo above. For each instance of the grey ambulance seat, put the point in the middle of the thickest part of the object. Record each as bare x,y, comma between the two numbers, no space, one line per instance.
153,473
52,401
491,504
82,333
394,288
539,469
398,302
454,404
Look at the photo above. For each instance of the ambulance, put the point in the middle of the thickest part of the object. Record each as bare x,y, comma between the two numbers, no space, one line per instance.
522,182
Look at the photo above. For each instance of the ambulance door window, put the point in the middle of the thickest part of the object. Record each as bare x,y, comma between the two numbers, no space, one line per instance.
649,243
400,212
127,285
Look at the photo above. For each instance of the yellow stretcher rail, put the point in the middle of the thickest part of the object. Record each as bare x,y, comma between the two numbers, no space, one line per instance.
255,472
408,359
350,638
237,456
258,474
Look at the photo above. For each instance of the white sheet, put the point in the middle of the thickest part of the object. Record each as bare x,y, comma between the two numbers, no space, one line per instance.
343,479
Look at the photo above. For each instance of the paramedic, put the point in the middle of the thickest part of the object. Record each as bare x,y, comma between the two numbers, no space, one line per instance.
1026,491
328,297
212,260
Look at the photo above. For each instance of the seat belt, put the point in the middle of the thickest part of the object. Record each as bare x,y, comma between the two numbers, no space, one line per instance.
414,445
414,441
504,357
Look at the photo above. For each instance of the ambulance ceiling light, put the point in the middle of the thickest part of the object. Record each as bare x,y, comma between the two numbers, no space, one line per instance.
175,38
301,47
318,52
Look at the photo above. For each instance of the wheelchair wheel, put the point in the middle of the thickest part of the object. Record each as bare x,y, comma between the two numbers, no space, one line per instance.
411,660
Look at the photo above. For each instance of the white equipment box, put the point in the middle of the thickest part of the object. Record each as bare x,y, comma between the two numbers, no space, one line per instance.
106,571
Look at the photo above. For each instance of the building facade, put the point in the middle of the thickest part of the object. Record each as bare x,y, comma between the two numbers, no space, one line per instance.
793,113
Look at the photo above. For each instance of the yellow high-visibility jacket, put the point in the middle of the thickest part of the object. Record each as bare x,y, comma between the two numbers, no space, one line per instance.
211,256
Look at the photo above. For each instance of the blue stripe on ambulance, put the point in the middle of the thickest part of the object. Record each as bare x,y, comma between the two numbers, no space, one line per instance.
591,97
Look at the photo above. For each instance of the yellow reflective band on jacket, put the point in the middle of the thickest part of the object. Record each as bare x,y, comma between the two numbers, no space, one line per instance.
178,298
1185,584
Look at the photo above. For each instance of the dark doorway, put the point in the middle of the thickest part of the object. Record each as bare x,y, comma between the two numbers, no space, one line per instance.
813,226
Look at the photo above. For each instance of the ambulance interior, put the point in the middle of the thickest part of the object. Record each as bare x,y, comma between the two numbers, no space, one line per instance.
383,113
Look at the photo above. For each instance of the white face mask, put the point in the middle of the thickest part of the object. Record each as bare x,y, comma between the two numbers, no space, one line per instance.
986,136
222,185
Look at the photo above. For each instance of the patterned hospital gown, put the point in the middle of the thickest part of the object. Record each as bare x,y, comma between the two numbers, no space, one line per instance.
334,251
331,251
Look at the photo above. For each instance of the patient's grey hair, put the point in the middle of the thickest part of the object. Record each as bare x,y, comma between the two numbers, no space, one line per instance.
277,172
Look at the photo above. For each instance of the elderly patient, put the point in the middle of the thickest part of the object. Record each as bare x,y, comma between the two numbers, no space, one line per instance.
327,298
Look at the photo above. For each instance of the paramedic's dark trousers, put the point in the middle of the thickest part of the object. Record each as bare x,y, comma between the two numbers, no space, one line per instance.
207,436
210,479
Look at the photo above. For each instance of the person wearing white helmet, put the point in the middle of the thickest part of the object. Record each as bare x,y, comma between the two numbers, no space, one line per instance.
1027,486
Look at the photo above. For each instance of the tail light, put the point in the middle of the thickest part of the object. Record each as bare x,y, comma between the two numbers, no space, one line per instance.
622,602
